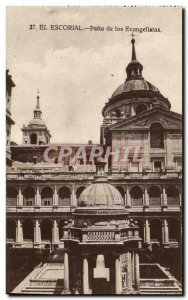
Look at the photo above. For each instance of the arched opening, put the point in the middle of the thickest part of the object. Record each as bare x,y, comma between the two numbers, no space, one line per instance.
154,196
46,196
156,136
141,229
64,196
46,230
29,196
28,230
136,196
11,196
79,191
172,196
61,224
122,192
118,113
174,228
140,108
33,138
11,230
156,231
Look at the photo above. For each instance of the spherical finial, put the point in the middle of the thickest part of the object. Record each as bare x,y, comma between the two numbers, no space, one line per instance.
133,41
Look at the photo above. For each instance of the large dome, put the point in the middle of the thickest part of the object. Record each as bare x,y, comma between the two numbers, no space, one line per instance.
134,85
100,194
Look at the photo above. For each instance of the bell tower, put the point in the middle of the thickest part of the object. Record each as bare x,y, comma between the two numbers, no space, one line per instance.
36,133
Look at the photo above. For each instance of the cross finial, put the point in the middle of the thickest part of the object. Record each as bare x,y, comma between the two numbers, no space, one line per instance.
38,92
132,34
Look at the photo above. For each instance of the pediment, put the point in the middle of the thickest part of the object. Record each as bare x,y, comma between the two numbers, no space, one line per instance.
168,119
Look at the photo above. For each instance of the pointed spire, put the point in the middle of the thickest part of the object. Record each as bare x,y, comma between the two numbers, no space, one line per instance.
37,111
134,68
38,102
133,50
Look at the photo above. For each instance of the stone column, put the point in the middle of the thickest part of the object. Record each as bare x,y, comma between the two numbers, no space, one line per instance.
38,198
20,198
85,276
129,271
133,268
37,232
164,197
19,232
147,231
137,272
146,158
169,160
118,280
146,197
128,204
165,232
73,198
55,197
66,272
55,233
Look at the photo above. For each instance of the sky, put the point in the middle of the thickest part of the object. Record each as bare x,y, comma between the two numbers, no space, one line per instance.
77,71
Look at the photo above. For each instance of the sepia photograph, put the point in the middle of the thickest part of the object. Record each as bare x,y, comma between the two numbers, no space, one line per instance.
94,150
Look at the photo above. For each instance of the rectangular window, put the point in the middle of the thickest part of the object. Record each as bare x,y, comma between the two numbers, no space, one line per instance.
157,166
28,203
47,203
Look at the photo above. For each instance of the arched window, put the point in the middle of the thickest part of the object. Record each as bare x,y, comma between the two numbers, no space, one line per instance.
33,138
136,196
154,196
64,196
46,230
174,229
79,191
11,196
29,196
28,230
156,136
11,230
140,108
46,196
172,196
156,231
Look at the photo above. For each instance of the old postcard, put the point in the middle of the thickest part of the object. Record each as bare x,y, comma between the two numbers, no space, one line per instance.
94,150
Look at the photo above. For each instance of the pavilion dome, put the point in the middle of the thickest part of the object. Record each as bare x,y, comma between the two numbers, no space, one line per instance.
100,193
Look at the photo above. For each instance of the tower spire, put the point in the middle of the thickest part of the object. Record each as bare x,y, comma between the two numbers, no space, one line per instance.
38,102
133,48
134,68
37,111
